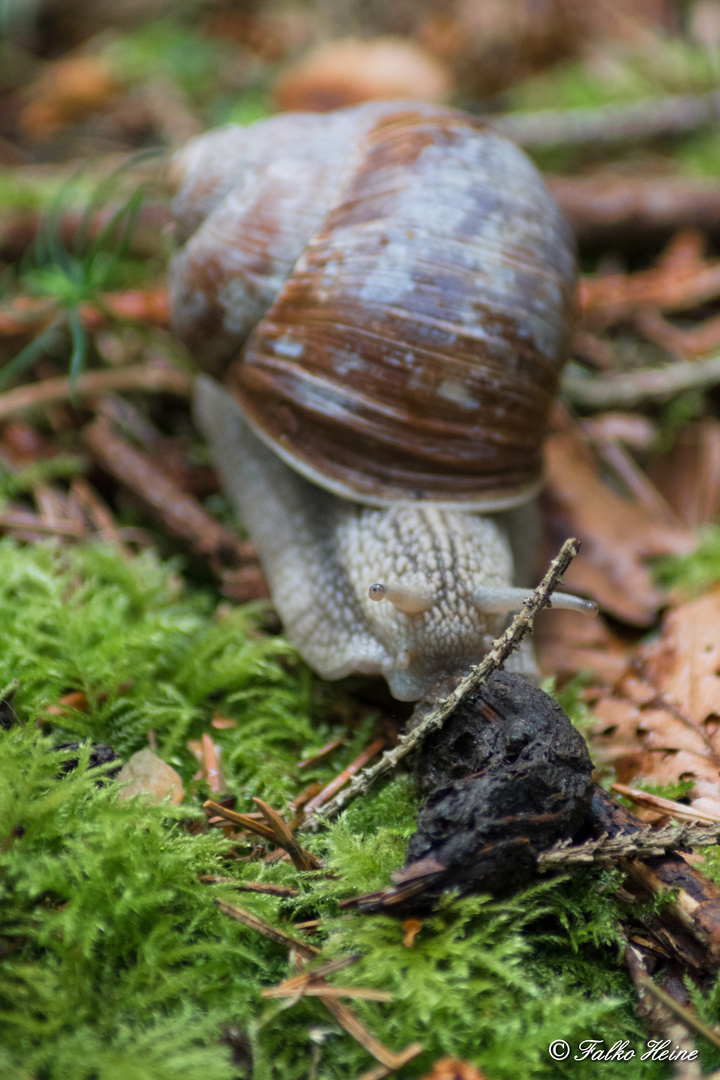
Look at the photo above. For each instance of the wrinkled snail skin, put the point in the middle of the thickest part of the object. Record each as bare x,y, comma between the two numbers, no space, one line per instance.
322,554
386,293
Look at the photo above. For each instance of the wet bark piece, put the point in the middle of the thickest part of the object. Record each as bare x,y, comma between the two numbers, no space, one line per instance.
687,929
509,776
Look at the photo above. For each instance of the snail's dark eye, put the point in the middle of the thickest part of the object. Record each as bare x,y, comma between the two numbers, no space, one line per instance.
377,592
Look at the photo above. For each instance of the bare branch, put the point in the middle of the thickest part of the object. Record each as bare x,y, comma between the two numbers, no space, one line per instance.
478,676
645,844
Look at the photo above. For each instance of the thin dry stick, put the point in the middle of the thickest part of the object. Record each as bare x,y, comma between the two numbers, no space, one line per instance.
318,974
653,118
643,386
348,1020
261,927
268,887
161,379
362,993
302,859
661,1021
273,829
646,844
691,1021
668,807
479,675
326,793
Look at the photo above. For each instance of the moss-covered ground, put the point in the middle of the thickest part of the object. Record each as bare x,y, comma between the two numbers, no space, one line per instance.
114,962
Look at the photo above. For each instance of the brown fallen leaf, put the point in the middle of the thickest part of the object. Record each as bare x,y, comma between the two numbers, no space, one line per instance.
688,475
617,534
347,72
453,1069
662,722
681,279
68,90
567,642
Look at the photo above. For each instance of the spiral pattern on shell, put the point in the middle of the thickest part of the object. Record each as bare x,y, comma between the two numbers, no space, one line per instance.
388,292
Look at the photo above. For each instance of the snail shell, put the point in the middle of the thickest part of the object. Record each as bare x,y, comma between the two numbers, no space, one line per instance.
387,293
402,283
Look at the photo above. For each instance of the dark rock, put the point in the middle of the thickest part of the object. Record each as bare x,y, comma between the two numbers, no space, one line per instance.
99,755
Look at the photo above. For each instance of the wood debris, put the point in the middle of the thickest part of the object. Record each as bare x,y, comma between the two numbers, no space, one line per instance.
253,922
681,280
232,559
272,828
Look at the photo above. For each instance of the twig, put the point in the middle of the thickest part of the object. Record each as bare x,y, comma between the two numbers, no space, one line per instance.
679,811
181,513
646,844
348,1020
306,978
321,754
261,927
360,992
137,305
272,829
659,1019
653,118
25,521
342,778
267,887
689,1019
154,379
626,210
501,649
302,860
647,385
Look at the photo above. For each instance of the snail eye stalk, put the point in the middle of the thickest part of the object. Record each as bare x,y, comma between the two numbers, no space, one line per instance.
409,601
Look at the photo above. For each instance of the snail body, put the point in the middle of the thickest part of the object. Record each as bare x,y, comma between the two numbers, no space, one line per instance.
386,292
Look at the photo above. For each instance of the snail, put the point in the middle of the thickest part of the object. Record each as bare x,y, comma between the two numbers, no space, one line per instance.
387,293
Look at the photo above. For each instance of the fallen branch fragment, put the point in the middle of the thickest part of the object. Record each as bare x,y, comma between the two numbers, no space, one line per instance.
180,512
272,829
611,209
612,298
147,306
644,386
660,1020
521,624
24,521
151,378
687,926
506,778
342,778
267,887
299,983
261,927
348,1020
667,806
321,754
686,1016
654,118
646,844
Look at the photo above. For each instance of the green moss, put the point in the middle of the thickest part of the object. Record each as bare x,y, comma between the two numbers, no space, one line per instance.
114,962
694,572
